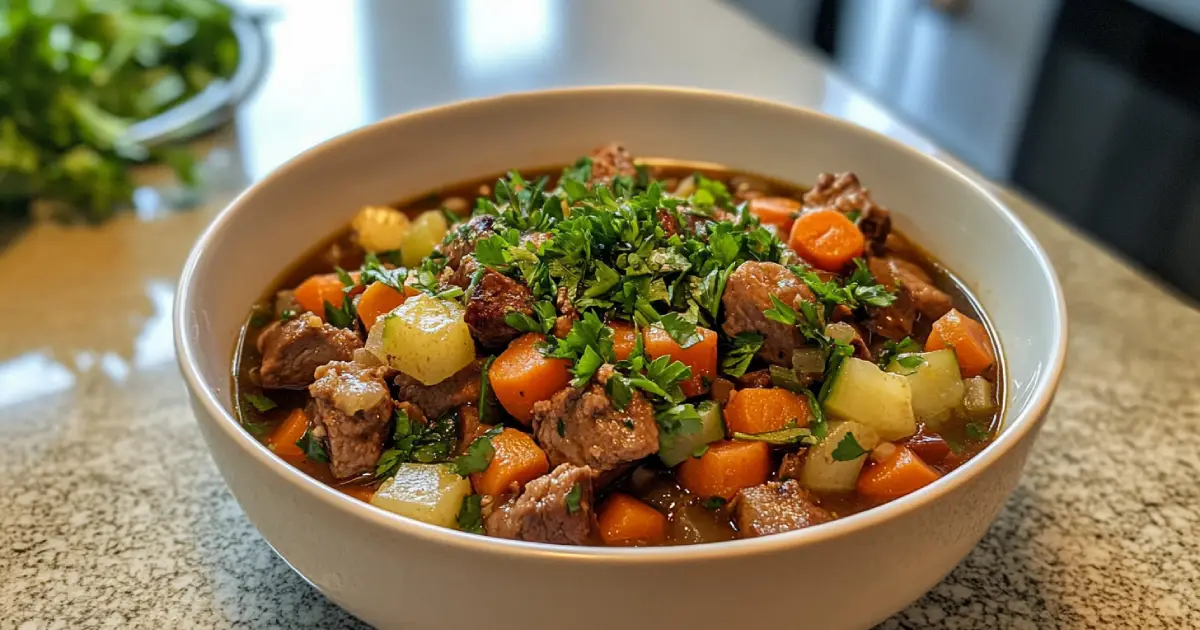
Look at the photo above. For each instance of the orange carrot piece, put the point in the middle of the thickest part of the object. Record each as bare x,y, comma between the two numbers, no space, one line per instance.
761,410
378,299
725,468
701,357
777,211
901,473
517,461
967,337
316,290
624,339
826,239
521,376
626,522
283,439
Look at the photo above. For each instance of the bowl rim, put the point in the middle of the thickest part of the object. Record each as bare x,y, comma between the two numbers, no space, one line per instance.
1015,429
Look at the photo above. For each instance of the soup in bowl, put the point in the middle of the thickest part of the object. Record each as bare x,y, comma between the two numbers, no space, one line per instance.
815,351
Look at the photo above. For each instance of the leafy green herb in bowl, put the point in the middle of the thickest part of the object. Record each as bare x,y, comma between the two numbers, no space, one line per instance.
78,75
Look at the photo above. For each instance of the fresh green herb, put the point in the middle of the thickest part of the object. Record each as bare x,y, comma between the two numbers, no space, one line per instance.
711,192
261,403
848,449
79,75
287,315
853,215
374,271
628,424
478,456
662,379
977,432
345,278
681,330
343,316
488,414
257,429
313,450
700,451
417,442
787,379
574,497
910,361
561,428
713,503
470,514
860,288
585,367
892,348
542,322
818,424
260,317
736,358
787,436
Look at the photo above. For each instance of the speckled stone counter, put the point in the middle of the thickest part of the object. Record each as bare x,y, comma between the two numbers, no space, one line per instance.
112,514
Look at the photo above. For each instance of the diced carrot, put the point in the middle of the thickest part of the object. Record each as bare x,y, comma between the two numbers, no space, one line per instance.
379,299
967,337
517,461
725,468
316,290
362,493
826,239
624,339
626,522
901,473
283,439
701,356
521,376
777,211
761,410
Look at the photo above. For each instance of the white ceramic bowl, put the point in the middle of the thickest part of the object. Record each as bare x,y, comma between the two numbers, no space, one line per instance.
395,572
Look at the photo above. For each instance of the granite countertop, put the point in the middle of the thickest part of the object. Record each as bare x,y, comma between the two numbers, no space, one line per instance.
112,514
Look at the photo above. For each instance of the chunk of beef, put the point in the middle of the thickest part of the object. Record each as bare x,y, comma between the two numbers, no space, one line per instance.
494,297
349,412
546,511
581,427
435,400
748,293
844,193
775,507
465,235
293,350
754,379
610,161
896,321
930,301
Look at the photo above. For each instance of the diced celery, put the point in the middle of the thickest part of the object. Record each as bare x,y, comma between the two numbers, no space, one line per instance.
426,492
825,473
424,234
673,449
863,393
979,398
937,386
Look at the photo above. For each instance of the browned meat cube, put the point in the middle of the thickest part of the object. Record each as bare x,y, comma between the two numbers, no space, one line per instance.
554,508
435,400
776,507
293,350
844,193
349,412
494,297
748,293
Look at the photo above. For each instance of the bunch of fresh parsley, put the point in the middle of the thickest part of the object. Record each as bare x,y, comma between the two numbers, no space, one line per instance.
76,74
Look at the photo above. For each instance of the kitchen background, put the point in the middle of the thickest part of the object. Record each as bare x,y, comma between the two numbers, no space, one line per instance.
1090,106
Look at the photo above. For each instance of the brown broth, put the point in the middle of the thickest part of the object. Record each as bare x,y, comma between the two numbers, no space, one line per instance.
689,522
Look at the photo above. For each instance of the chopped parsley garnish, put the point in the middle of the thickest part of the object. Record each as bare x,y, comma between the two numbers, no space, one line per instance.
374,271
343,316
681,330
713,503
787,379
312,447
977,432
910,361
478,456
417,442
470,514
786,436
261,403
574,497
860,288
737,356
287,315
542,321
892,348
848,449
258,429
488,414
818,424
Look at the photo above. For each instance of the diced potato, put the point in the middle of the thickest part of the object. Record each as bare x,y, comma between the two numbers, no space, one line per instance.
427,492
426,338
426,232
979,398
380,229
823,473
861,392
937,386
